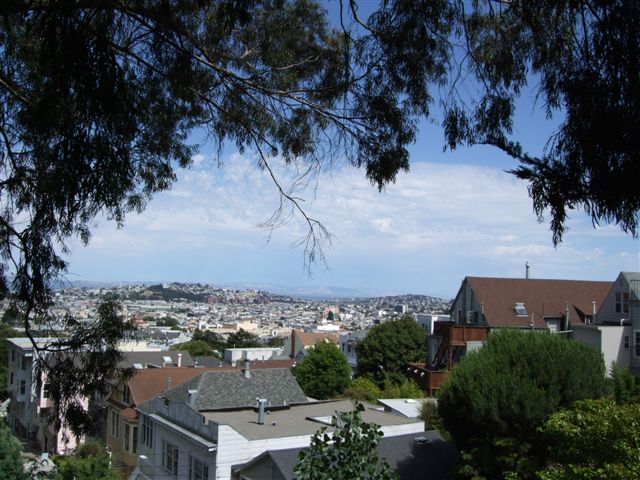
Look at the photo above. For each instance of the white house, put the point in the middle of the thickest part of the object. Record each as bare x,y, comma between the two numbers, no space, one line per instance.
193,432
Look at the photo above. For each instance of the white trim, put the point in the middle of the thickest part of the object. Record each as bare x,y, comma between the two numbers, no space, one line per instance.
209,445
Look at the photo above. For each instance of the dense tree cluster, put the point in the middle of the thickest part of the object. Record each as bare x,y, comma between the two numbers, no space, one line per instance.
383,354
496,399
324,372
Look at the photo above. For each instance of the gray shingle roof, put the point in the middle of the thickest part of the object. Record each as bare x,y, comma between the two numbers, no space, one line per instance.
230,389
434,460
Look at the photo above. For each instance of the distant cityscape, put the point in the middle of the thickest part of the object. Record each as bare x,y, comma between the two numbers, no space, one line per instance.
223,310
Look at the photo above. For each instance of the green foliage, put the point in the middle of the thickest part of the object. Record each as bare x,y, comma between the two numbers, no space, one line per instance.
348,454
90,461
243,339
324,372
212,339
363,389
196,348
5,332
167,322
11,465
385,351
626,388
407,389
594,439
496,398
275,342
432,421
85,363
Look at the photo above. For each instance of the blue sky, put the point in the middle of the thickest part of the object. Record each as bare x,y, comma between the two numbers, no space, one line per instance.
455,214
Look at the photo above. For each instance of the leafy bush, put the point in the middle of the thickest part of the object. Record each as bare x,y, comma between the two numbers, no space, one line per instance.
496,399
324,372
407,389
363,389
594,439
625,386
388,347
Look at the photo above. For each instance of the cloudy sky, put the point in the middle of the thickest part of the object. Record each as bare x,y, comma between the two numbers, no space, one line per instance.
455,214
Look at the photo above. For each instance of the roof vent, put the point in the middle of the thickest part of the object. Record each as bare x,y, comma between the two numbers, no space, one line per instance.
261,403
422,440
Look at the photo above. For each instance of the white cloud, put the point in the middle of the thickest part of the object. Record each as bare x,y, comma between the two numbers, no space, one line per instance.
464,217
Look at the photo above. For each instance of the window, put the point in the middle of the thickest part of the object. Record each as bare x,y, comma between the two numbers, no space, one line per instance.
135,440
198,470
23,387
636,342
147,431
46,390
622,302
127,432
170,458
13,355
25,363
115,420
126,395
626,342
520,309
11,379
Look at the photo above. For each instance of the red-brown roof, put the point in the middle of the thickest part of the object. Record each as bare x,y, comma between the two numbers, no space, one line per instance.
311,338
543,298
149,382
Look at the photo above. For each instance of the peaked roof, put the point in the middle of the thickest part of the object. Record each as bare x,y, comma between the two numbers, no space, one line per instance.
633,279
149,382
228,389
542,298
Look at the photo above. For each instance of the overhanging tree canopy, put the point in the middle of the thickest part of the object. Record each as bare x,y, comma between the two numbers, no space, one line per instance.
98,97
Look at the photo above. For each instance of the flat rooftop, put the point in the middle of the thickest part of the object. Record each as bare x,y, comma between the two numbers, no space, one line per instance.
298,419
25,342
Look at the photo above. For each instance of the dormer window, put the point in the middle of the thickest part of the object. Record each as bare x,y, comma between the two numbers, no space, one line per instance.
520,309
622,302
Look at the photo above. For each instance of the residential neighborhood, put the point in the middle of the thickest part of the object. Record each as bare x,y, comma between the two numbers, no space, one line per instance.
244,412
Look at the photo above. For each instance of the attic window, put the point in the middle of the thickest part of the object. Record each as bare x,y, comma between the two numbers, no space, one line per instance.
520,309
167,359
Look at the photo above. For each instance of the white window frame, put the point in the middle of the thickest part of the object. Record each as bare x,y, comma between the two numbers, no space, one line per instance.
170,456
115,424
198,470
147,431
621,302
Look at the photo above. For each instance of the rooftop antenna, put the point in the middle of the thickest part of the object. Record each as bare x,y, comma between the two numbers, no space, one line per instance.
526,266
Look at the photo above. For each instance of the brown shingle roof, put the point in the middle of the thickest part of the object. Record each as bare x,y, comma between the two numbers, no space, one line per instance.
149,382
543,298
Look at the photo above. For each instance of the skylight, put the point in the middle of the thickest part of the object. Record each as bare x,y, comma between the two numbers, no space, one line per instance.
520,309
167,359
138,366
